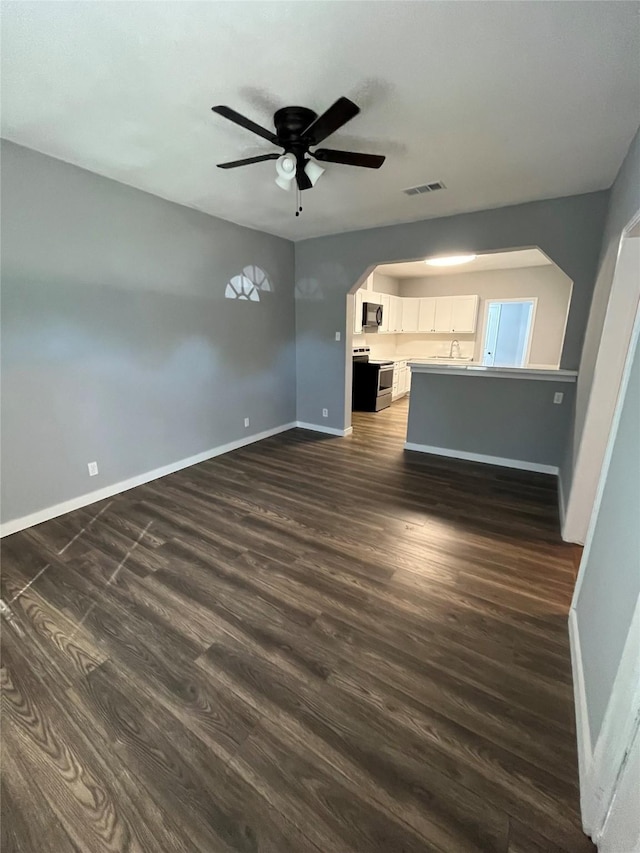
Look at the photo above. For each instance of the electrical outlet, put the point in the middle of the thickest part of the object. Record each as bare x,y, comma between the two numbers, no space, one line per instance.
325,413
337,336
93,468
558,397
246,422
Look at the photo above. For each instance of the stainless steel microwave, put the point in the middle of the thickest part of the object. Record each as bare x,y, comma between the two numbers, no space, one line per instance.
371,315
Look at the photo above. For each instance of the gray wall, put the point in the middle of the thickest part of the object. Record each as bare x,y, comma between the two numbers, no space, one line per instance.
117,342
548,283
385,284
510,418
611,580
568,230
624,202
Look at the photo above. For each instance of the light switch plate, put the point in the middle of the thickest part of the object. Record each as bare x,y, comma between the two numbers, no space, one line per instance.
558,397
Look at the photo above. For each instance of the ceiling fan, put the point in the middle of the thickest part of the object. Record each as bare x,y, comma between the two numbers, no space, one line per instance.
299,129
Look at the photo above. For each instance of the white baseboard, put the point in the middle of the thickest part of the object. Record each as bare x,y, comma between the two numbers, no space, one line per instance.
583,733
54,511
480,457
325,429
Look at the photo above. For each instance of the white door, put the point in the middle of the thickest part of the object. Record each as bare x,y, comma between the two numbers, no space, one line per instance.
444,308
508,330
464,314
410,308
427,314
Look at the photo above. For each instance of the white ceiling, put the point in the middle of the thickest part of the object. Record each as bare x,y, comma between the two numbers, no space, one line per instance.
504,102
490,261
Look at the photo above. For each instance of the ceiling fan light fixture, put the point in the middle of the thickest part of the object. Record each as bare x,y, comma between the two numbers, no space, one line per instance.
286,167
284,183
450,260
313,171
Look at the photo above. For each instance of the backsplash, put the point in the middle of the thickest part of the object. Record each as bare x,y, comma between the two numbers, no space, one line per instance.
422,346
414,346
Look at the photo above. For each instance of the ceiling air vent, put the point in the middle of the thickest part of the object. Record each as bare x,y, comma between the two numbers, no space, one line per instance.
425,188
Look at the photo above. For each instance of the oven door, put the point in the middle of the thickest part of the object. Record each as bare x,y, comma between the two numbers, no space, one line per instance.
385,380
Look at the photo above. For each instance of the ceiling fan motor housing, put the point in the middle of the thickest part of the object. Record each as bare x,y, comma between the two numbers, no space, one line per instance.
290,124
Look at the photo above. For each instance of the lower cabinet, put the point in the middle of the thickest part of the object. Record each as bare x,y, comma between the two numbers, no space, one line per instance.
401,380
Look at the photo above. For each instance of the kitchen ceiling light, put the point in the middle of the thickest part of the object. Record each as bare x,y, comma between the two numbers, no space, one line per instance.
313,171
450,261
286,167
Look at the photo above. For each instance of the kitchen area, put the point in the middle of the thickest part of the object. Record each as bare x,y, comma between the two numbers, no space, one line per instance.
440,329
432,328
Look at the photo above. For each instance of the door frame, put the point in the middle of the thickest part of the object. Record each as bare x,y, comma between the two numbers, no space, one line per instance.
599,764
605,390
532,323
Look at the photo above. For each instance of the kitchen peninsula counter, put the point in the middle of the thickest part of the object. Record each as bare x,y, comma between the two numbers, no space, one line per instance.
520,419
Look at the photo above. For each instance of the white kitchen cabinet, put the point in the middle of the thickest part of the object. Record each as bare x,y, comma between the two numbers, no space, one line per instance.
386,311
401,379
404,379
357,312
410,312
427,314
443,313
456,314
464,313
392,324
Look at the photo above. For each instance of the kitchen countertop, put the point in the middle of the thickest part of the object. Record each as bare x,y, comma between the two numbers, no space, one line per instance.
473,369
432,360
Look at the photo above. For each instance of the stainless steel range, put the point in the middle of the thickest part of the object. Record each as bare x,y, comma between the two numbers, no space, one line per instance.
372,382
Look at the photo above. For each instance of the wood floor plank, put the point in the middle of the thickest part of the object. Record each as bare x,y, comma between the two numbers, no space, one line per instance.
312,644
27,822
91,794
189,780
370,765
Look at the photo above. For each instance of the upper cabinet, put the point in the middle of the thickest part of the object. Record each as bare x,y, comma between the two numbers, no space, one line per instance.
410,313
395,314
464,313
449,314
427,314
443,313
386,314
431,314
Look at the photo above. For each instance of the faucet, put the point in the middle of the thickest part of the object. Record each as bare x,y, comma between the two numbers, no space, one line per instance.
455,344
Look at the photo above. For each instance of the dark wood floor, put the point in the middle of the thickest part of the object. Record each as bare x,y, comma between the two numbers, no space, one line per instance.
311,644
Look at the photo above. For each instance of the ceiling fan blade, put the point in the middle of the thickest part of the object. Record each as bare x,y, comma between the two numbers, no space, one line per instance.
333,119
304,182
349,158
235,117
247,162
